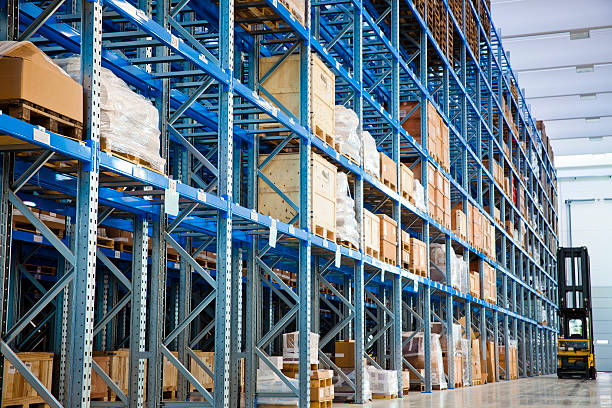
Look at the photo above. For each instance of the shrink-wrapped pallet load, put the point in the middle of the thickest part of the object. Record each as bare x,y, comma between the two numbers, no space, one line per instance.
347,228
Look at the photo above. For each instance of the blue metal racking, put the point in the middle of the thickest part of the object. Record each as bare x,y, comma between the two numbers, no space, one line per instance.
198,60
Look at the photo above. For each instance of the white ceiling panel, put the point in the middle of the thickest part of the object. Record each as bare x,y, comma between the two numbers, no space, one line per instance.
565,82
516,17
544,55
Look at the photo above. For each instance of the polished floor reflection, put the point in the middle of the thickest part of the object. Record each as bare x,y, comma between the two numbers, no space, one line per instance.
540,392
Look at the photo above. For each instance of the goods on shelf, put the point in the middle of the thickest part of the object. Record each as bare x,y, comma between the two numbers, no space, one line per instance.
475,283
253,18
388,171
371,157
438,193
459,222
440,328
438,271
496,213
414,352
291,349
371,234
55,222
511,372
419,195
488,280
30,80
321,387
457,368
488,238
283,170
490,363
129,122
345,391
405,250
437,131
465,344
344,356
346,139
383,383
388,239
407,183
347,229
418,257
269,383
497,173
476,368
16,390
284,85
208,359
277,361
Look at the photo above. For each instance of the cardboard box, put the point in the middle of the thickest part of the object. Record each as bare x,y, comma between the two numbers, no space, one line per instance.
458,223
344,356
388,228
388,171
406,182
475,284
27,73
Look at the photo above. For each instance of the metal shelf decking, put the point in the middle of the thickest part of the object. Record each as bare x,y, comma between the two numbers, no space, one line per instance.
239,233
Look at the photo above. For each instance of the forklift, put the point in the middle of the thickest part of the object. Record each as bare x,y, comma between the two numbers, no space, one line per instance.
575,352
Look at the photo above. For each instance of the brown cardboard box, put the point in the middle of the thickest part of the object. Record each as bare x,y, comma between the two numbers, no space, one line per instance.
475,284
406,182
388,171
27,73
388,228
345,354
458,223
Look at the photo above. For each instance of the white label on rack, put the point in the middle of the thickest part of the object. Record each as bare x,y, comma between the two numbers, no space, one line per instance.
273,233
38,238
324,243
275,3
337,64
337,156
201,196
11,369
291,230
140,13
338,259
40,135
174,40
171,199
254,215
117,254
203,58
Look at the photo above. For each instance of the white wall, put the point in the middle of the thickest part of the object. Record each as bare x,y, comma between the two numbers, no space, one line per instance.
591,220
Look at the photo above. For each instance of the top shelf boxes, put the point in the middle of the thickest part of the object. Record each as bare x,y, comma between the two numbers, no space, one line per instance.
284,85
437,131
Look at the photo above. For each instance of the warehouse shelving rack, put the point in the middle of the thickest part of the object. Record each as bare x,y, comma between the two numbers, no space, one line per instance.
198,62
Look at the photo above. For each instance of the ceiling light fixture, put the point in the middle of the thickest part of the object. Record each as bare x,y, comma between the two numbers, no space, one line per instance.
588,97
579,34
581,69
592,119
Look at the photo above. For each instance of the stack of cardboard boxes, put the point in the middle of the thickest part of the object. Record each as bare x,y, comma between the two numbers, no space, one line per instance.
438,193
388,239
437,131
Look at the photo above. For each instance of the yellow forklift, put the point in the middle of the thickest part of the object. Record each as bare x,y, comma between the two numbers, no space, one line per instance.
575,352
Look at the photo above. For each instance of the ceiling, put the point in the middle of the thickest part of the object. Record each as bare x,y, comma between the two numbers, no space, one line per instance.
561,51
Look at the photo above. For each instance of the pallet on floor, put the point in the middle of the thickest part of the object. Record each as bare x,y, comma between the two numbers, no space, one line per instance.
384,396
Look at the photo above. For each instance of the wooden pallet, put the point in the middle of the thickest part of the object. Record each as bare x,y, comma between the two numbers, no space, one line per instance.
324,136
105,242
324,232
418,271
390,261
41,269
40,116
351,159
405,391
372,252
388,183
251,15
346,244
123,246
384,396
458,384
129,157
35,403
477,382
321,404
26,227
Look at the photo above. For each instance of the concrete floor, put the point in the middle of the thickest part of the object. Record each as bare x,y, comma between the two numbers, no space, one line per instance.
540,392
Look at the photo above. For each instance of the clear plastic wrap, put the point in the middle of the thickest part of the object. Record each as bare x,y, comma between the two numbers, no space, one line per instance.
382,381
347,228
346,138
419,195
270,383
466,364
371,157
343,389
291,348
414,352
129,123
462,271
